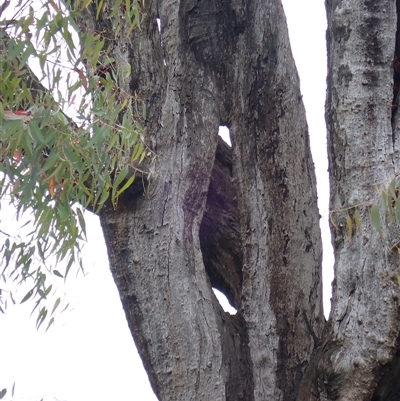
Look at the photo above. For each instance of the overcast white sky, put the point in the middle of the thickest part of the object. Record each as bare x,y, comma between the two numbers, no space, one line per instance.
89,354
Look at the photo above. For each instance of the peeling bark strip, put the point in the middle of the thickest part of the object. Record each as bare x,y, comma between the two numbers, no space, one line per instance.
248,225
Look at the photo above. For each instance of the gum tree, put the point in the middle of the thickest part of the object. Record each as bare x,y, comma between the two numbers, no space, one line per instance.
245,219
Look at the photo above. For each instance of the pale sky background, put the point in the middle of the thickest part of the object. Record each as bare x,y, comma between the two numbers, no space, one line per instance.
89,354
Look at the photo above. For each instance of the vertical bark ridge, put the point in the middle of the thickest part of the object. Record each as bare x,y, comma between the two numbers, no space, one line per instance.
365,310
281,294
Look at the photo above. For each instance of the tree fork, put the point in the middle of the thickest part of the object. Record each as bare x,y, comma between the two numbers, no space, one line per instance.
219,62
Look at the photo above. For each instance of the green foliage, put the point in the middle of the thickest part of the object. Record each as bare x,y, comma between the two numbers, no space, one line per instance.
54,166
384,215
375,218
387,211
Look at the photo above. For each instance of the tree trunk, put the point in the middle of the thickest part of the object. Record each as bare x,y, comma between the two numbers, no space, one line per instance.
359,360
245,220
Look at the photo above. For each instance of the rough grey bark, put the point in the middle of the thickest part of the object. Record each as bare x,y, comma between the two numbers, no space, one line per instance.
363,156
245,220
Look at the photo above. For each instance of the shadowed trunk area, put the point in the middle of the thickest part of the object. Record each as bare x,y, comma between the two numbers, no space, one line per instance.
219,231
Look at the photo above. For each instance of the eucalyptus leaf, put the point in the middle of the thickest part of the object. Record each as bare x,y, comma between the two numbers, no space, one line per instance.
27,296
349,226
375,218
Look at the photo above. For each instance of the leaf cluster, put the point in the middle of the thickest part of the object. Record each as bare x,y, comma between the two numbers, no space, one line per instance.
389,208
54,166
